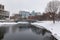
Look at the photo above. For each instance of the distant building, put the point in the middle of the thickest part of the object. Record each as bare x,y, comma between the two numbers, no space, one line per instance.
24,14
3,14
16,17
35,16
33,13
48,16
38,13
32,17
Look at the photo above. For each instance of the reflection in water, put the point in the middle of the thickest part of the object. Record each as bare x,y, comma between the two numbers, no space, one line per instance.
45,33
39,30
25,32
3,30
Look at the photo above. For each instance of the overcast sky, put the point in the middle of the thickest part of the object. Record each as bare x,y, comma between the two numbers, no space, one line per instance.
27,5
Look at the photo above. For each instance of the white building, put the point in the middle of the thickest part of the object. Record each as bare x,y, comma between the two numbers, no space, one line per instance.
24,14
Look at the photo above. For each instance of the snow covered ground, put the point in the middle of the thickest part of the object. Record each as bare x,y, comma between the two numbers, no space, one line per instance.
7,23
11,23
23,22
49,25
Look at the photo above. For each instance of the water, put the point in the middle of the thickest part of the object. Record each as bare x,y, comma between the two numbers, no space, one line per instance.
25,32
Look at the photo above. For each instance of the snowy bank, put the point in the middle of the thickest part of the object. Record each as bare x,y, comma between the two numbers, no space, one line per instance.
49,25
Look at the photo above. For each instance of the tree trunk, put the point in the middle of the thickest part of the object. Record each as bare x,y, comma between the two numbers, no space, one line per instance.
53,17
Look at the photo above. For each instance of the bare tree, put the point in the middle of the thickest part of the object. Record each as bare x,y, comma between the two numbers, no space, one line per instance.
52,7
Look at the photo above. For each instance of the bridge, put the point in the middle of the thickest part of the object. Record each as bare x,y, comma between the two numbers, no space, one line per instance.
26,20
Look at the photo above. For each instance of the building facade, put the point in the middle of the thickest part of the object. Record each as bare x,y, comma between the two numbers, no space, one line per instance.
24,14
16,17
3,13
